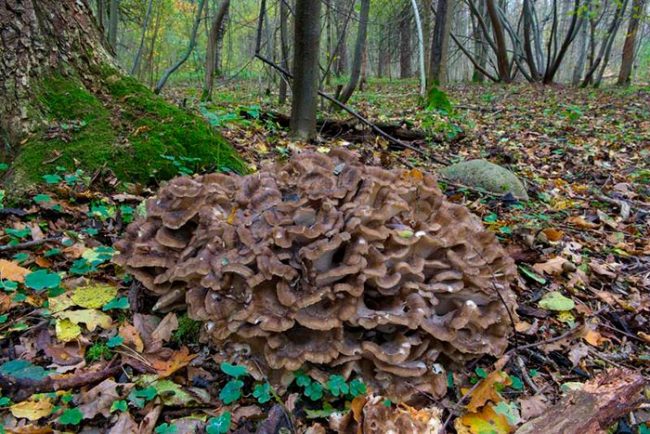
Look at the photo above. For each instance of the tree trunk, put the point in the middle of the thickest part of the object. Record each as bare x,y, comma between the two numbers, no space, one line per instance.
39,37
284,49
145,25
405,44
114,16
440,43
212,50
305,68
341,65
359,49
480,46
581,52
503,64
627,59
421,58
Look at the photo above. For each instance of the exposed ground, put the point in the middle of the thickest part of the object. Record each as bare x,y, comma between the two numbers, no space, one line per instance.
581,244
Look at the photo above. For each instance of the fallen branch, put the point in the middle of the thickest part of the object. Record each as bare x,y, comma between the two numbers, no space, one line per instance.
338,103
23,388
29,244
601,402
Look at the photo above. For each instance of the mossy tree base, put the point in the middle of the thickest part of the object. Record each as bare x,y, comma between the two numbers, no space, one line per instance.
124,128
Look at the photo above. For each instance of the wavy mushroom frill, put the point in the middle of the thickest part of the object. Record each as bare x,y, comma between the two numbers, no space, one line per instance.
325,261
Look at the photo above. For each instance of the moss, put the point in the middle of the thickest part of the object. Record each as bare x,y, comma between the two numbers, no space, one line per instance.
128,131
188,330
98,351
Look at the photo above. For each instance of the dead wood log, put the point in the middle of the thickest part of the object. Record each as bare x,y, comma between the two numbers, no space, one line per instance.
595,407
350,130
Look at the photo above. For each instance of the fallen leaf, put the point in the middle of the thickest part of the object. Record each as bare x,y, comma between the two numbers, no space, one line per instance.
131,337
10,270
483,422
66,330
178,360
100,398
581,222
90,317
553,234
532,407
165,329
32,410
93,296
577,353
554,300
486,391
554,266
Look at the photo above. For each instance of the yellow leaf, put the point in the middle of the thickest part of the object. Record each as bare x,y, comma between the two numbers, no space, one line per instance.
32,410
91,317
485,421
553,234
93,296
11,271
60,303
66,330
486,391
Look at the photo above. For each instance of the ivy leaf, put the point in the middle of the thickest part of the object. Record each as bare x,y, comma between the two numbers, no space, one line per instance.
165,428
115,341
117,303
119,405
235,371
314,391
337,386
517,384
71,416
220,424
42,198
262,392
357,388
139,397
231,392
42,279
23,369
52,179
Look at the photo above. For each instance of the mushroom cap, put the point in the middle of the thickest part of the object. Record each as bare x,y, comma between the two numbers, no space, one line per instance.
323,262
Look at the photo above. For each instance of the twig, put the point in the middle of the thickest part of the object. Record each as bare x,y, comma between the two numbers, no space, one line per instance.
363,120
525,376
29,244
462,399
544,342
24,388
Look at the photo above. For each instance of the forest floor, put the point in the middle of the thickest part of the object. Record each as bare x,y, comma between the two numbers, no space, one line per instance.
81,350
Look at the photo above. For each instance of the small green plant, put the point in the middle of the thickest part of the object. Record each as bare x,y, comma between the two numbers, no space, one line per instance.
571,112
184,165
98,351
188,330
437,100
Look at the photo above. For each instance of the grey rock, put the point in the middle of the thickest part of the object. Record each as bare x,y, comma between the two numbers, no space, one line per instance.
484,175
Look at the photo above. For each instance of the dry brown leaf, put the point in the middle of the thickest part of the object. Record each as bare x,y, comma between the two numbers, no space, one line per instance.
532,407
10,270
553,234
178,360
131,337
100,398
164,331
581,222
553,267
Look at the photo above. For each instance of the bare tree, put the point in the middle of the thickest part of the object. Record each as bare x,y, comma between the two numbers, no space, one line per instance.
627,58
440,42
284,48
359,49
305,69
113,19
405,43
145,25
217,30
421,67
190,47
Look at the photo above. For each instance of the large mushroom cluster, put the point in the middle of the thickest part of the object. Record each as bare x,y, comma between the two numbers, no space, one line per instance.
327,262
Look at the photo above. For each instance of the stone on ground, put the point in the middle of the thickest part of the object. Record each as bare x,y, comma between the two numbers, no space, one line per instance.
482,174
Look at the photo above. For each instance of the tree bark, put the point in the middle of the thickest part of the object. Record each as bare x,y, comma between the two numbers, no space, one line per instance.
195,28
581,51
359,49
405,43
145,25
113,19
503,64
421,67
440,42
212,50
38,37
341,52
305,67
627,59
284,49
